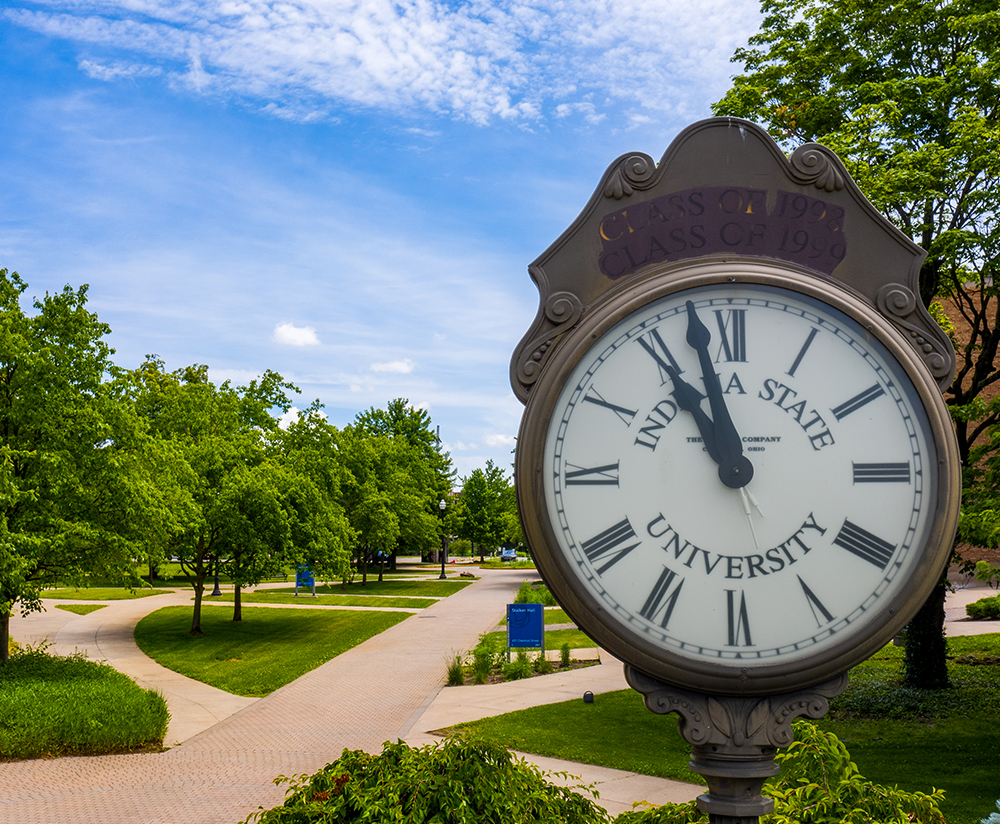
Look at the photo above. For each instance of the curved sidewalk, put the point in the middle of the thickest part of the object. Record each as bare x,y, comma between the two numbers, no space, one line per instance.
387,688
372,693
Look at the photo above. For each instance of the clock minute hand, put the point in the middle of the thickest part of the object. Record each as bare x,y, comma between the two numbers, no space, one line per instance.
735,469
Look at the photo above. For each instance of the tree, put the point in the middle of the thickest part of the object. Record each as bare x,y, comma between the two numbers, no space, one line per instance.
427,463
236,497
83,487
386,495
321,532
905,91
485,507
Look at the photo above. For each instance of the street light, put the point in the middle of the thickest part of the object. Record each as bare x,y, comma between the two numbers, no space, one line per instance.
444,545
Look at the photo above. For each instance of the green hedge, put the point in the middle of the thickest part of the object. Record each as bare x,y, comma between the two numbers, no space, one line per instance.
985,609
463,781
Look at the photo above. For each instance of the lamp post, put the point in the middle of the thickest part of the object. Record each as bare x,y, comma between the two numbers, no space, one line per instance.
444,545
216,591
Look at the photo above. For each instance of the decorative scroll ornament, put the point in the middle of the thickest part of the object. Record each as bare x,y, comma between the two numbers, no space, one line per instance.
898,304
562,309
634,172
734,739
813,164
734,723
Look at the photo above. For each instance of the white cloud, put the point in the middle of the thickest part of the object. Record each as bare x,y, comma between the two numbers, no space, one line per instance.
508,59
500,440
288,334
117,70
402,367
288,418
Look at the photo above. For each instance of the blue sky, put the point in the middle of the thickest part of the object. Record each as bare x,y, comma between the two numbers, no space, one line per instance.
347,192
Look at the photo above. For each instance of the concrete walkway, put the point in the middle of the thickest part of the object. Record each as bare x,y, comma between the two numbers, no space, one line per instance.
375,692
387,688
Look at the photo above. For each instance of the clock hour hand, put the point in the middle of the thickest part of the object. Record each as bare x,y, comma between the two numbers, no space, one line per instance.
735,469
689,399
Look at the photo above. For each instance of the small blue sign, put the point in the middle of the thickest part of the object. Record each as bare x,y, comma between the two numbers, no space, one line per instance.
304,577
526,626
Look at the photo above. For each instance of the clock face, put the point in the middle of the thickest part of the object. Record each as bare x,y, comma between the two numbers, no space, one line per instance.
736,475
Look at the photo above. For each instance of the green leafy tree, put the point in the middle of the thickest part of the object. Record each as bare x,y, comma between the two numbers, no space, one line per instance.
321,531
426,463
237,500
905,91
83,488
386,495
486,508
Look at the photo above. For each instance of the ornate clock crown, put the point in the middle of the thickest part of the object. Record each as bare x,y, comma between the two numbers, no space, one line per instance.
725,189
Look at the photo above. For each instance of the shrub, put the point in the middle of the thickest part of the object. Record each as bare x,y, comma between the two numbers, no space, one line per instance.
519,668
564,656
534,594
458,781
489,652
985,609
460,548
541,664
818,784
456,672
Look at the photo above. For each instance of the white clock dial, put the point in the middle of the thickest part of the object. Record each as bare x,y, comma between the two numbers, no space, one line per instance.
738,474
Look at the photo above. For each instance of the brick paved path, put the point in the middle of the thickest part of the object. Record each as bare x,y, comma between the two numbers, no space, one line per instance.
359,699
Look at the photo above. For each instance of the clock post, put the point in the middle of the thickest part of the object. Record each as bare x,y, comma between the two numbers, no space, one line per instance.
735,469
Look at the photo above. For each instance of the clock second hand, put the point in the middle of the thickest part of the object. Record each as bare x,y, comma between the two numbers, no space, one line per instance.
747,498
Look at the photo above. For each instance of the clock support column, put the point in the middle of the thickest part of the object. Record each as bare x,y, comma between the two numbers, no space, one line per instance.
734,738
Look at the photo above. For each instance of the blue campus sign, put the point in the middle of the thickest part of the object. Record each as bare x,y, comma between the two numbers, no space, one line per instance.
304,577
525,626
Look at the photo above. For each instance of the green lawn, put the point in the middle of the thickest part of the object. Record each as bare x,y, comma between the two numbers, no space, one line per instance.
555,638
915,739
101,593
81,609
284,596
268,649
432,588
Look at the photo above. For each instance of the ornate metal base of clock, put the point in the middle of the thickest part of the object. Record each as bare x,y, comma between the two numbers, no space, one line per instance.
734,739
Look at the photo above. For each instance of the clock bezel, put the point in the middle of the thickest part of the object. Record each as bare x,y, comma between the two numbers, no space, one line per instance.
727,677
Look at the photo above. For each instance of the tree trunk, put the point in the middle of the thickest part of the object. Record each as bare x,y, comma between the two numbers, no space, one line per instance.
4,638
200,571
237,603
925,660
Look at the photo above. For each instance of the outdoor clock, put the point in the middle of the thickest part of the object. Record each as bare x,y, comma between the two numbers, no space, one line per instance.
736,476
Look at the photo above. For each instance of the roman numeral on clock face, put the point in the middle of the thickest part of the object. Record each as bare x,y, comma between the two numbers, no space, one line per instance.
625,415
802,352
859,400
815,604
611,545
732,334
739,621
881,473
864,544
606,475
662,599
657,349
